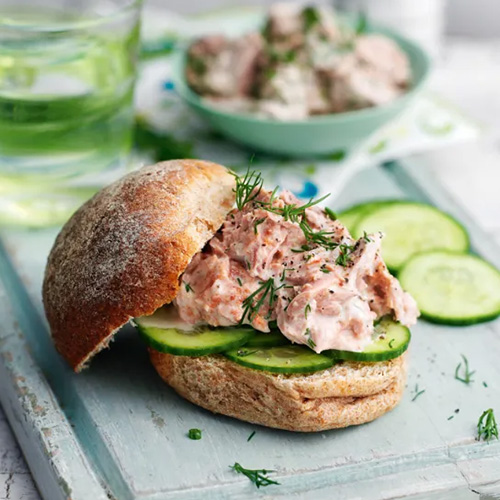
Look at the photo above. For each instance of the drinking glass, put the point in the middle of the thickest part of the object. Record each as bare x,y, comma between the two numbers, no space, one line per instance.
67,72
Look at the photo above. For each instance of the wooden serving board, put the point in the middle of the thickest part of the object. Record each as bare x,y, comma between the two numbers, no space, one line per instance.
116,431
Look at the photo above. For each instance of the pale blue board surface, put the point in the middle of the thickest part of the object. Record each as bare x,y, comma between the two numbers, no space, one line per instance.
116,431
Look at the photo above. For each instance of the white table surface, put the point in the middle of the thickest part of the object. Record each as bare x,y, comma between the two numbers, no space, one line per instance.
469,76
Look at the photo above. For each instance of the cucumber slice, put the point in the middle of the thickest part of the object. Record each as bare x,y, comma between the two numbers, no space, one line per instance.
411,228
281,359
351,216
390,340
165,333
271,339
453,288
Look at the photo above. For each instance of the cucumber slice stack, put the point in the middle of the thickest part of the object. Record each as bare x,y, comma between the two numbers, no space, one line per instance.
453,288
411,228
273,352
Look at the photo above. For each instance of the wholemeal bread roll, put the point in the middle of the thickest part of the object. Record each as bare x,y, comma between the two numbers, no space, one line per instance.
346,394
121,254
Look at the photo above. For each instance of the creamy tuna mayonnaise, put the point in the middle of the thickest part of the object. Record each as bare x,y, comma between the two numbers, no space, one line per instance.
324,298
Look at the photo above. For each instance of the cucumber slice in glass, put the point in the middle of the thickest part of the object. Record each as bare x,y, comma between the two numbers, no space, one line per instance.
390,340
272,339
165,332
411,228
280,359
453,288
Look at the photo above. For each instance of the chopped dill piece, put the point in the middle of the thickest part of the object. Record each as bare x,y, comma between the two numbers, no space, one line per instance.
194,434
467,374
257,223
330,213
307,310
487,427
310,341
417,393
257,476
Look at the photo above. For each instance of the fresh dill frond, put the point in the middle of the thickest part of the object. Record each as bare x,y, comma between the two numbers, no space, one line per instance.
283,274
487,427
310,341
417,393
307,310
344,256
366,237
330,213
257,223
323,269
251,436
188,287
251,305
467,374
257,476
247,187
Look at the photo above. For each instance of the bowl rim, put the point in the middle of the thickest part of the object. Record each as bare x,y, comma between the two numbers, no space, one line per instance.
407,45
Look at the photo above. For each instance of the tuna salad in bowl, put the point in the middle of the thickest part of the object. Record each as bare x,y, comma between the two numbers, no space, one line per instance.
306,82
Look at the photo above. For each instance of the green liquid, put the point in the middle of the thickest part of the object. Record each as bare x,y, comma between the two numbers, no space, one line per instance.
65,97
64,94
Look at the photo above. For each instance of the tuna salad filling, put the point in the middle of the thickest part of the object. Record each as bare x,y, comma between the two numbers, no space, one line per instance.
279,262
305,61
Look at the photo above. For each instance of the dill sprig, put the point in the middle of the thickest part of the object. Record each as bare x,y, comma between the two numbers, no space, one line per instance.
366,237
344,256
330,213
283,274
257,476
267,291
247,187
256,224
467,374
321,237
310,341
487,426
307,310
290,211
417,393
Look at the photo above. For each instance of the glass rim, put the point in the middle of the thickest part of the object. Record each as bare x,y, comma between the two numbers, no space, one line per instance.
49,27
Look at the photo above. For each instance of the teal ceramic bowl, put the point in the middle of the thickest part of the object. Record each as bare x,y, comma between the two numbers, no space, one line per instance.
317,135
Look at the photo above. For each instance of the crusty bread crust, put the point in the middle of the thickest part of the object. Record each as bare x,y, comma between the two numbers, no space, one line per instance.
121,254
346,394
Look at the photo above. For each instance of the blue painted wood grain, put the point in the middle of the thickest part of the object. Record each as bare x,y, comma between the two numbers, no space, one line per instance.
117,431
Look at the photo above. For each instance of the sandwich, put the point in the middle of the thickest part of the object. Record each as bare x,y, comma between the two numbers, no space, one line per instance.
252,303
